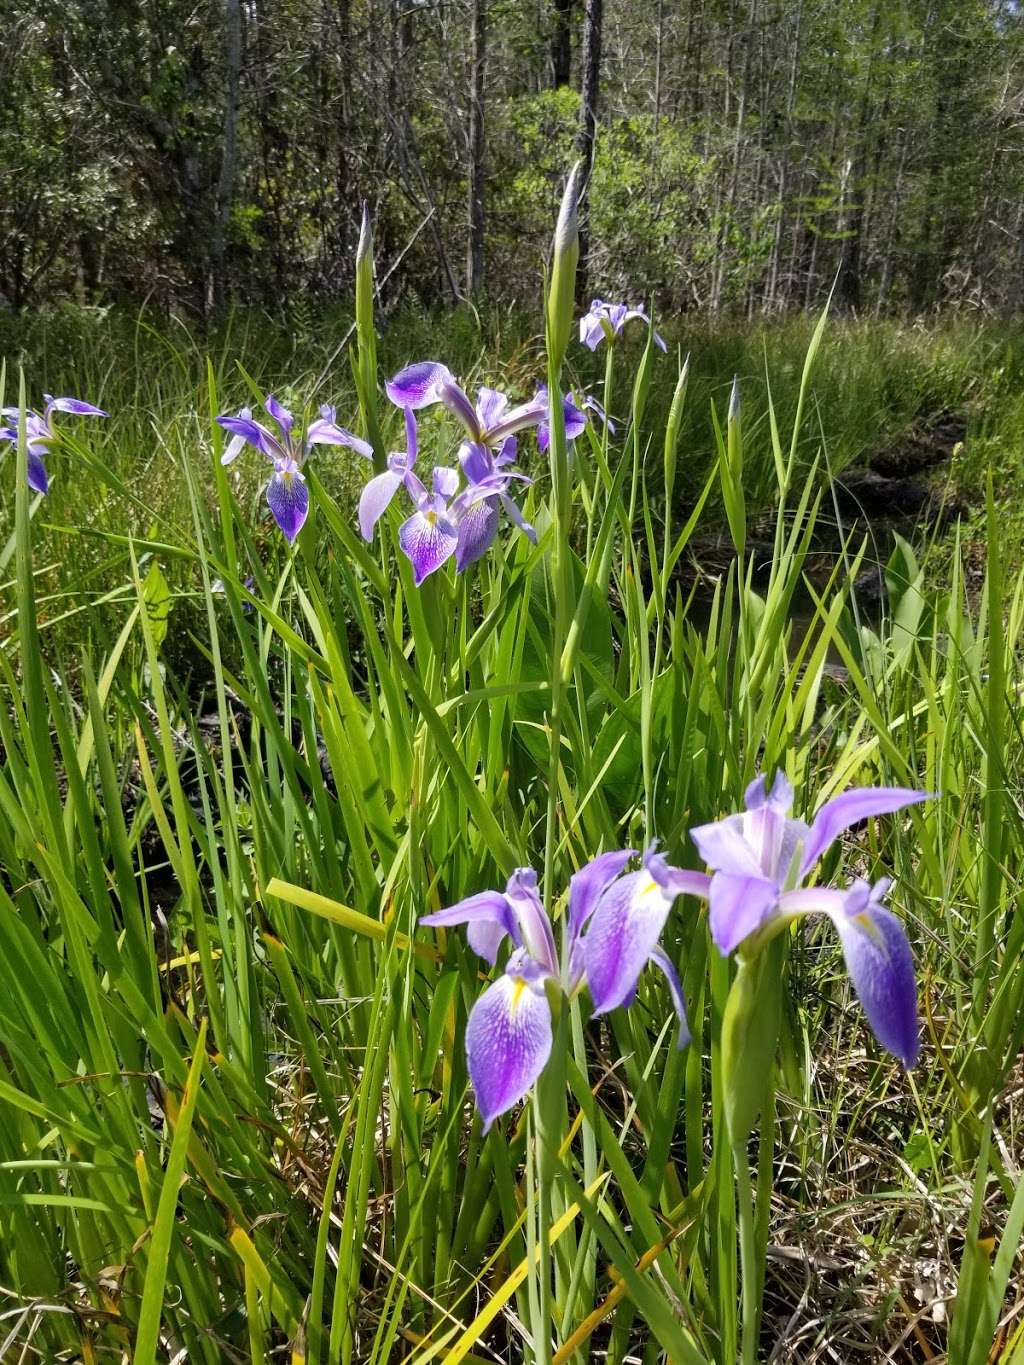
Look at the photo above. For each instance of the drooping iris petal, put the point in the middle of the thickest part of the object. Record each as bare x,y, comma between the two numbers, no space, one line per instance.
724,848
739,905
478,526
253,433
38,478
508,1043
881,966
325,433
288,497
73,405
511,509
859,803
622,934
675,881
417,386
661,959
427,539
488,917
375,500
588,885
532,918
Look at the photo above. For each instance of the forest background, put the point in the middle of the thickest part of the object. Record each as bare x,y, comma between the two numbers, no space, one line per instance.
745,153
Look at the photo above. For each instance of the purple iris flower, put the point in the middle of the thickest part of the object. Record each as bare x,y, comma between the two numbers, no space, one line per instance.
575,416
41,435
377,495
430,535
760,858
605,321
287,494
611,929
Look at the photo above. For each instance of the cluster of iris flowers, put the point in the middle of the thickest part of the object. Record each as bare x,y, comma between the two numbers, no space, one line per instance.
758,861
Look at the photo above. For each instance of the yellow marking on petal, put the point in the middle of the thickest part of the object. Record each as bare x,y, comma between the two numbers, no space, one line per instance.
431,518
652,885
518,986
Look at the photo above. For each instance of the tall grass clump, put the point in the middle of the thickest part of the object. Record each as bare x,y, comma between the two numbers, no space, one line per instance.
236,1118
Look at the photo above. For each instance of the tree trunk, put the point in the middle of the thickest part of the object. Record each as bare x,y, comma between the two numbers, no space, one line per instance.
561,44
478,57
226,181
589,90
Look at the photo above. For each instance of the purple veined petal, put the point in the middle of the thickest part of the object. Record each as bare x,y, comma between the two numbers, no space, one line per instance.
724,848
508,1043
478,526
288,497
488,918
623,932
418,386
324,433
516,517
375,500
859,803
254,434
534,925
661,959
881,967
476,461
281,416
738,906
491,405
588,885
72,405
445,481
38,478
427,539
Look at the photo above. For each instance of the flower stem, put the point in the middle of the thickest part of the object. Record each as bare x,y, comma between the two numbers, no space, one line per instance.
748,1258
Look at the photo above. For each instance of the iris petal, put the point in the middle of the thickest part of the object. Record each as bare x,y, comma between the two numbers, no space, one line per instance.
739,905
881,966
288,497
508,1043
375,500
623,932
426,543
848,809
489,918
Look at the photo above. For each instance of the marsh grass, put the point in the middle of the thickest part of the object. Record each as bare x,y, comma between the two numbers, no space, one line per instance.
234,1117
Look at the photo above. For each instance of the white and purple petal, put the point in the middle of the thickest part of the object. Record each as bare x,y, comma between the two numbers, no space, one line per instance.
419,385
288,498
508,1043
623,932
72,405
427,539
478,526
724,847
281,416
375,500
325,433
534,926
